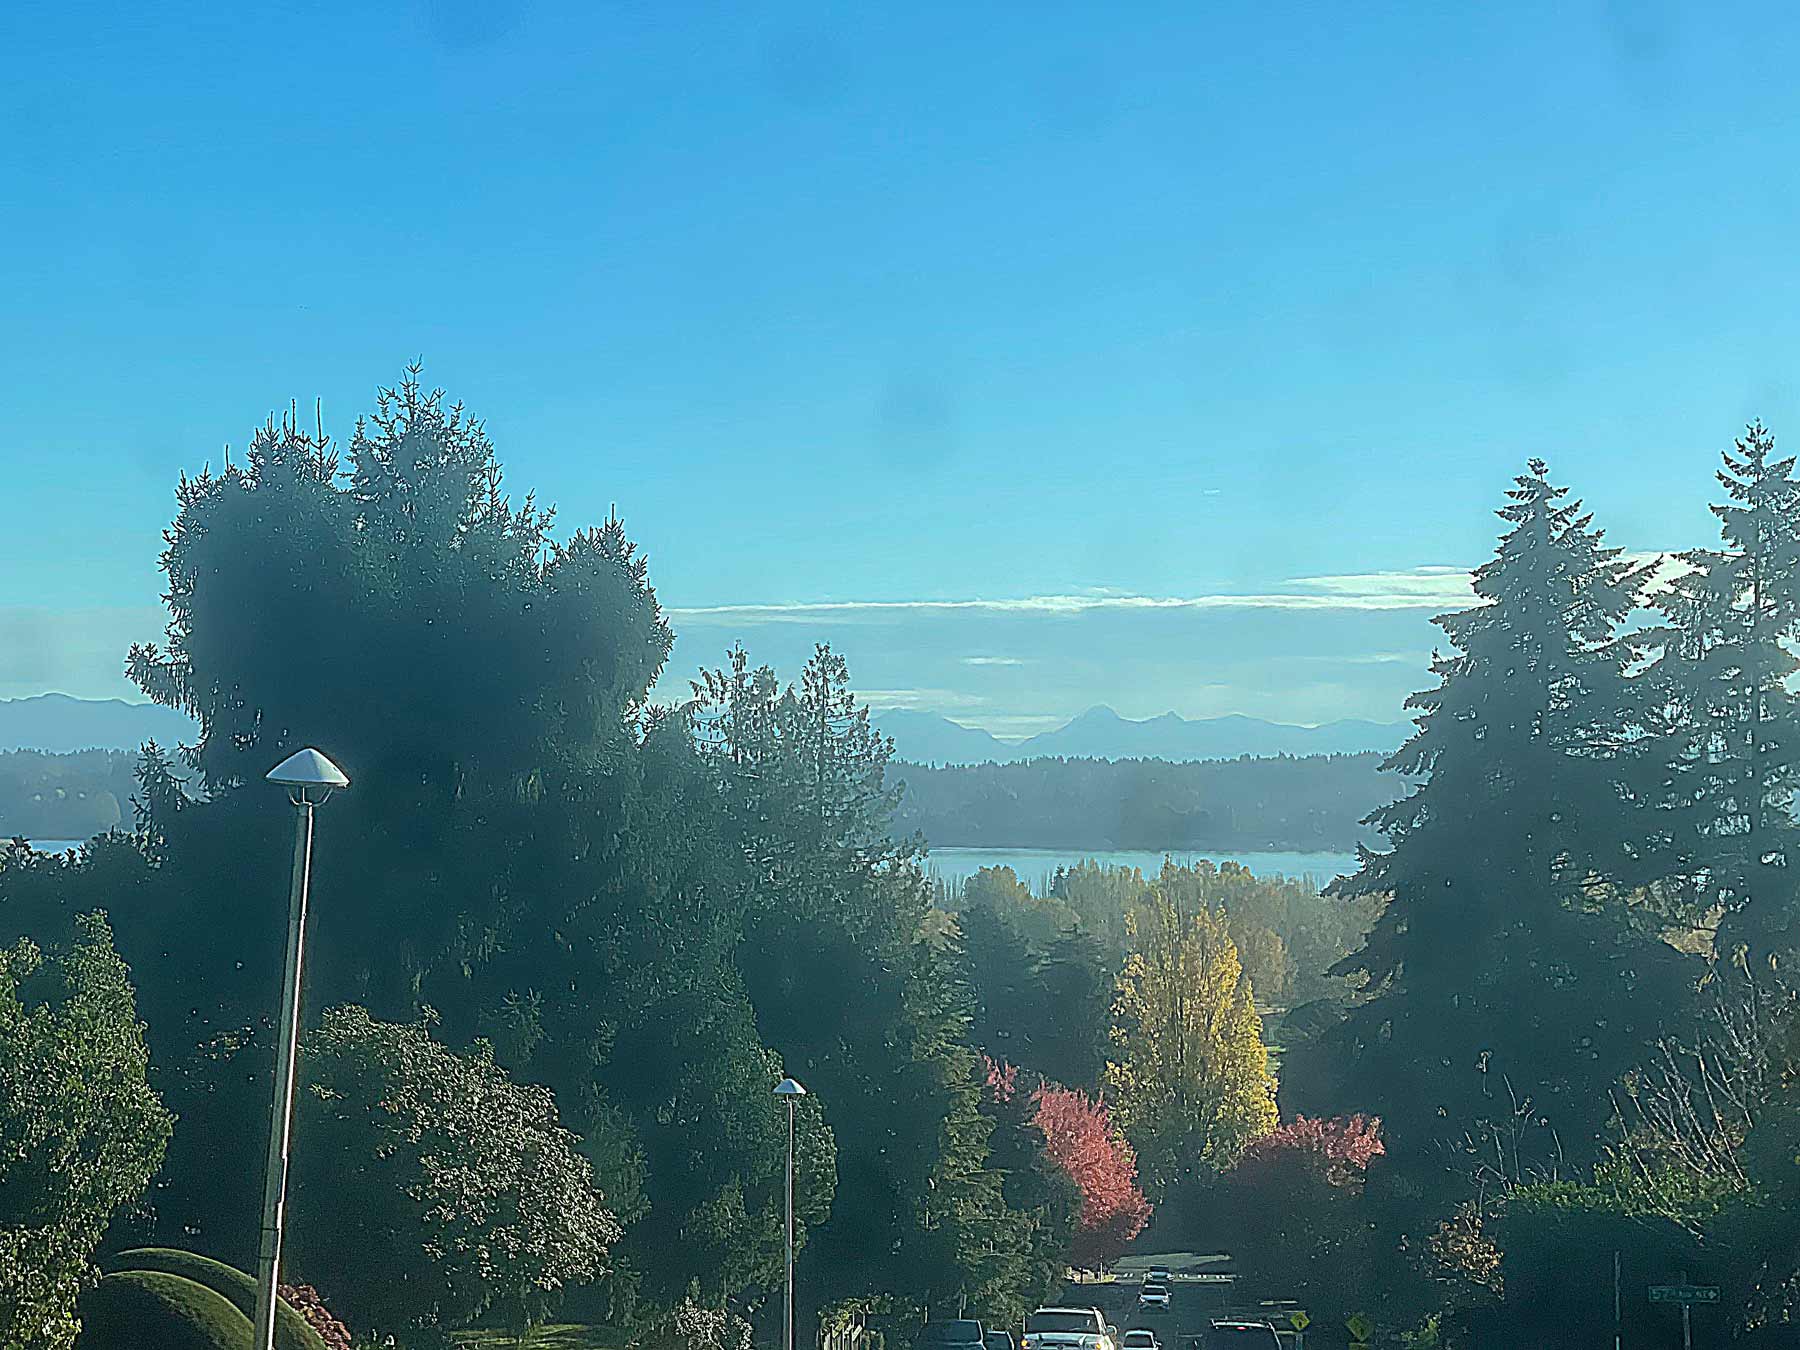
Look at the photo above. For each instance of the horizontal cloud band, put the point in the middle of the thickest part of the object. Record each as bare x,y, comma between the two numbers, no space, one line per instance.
1422,588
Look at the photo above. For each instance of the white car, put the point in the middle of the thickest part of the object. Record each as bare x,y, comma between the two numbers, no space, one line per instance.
1069,1329
1140,1338
1154,1297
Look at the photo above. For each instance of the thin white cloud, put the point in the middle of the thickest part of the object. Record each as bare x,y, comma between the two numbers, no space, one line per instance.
1373,659
929,700
1416,587
1422,588
995,661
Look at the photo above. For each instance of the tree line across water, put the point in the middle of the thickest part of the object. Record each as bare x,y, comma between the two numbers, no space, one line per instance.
69,796
565,940
1303,804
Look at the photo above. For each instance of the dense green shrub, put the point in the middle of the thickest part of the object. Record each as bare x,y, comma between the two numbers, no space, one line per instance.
230,1283
81,1132
153,1310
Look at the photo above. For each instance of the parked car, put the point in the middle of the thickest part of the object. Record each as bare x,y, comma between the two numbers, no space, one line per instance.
1236,1335
999,1340
953,1333
1140,1338
1069,1329
1154,1297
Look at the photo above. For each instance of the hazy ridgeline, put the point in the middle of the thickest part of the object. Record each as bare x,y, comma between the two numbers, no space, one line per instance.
1316,803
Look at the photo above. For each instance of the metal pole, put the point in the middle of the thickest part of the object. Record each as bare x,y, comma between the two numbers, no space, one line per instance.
1687,1318
790,1226
1619,1314
268,1264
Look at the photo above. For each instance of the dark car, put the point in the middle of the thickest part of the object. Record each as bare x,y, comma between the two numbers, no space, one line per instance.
1236,1335
999,1340
954,1333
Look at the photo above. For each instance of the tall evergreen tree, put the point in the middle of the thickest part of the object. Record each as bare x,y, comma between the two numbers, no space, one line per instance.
1501,994
856,1002
1040,988
1721,753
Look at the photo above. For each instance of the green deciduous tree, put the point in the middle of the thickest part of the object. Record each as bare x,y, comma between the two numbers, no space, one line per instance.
1101,897
1189,1082
81,1132
431,1188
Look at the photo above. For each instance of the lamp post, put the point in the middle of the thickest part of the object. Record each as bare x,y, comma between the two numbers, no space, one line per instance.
792,1091
310,778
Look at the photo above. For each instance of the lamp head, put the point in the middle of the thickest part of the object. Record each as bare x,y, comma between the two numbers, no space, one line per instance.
787,1087
307,772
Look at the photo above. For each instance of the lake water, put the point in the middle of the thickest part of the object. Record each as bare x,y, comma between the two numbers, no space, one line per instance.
1034,866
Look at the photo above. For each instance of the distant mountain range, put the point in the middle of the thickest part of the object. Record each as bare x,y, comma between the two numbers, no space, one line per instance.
59,724
1100,733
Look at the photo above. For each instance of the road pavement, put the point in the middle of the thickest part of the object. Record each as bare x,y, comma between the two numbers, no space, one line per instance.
1202,1289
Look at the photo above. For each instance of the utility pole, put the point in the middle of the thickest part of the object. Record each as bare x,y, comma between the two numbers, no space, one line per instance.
1619,1313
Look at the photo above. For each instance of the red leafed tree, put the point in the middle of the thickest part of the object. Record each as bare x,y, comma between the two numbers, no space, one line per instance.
1294,1211
1079,1137
1342,1147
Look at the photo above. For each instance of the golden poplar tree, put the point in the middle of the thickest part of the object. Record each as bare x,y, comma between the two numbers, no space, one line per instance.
1189,1082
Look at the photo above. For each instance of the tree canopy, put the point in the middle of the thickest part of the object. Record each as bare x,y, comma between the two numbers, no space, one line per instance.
81,1131
1189,1081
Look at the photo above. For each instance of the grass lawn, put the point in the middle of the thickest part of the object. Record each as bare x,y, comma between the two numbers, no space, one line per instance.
556,1336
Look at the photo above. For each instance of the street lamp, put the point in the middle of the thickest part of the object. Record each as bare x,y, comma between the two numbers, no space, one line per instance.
310,778
792,1092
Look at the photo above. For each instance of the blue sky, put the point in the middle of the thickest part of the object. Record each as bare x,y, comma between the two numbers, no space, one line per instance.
860,314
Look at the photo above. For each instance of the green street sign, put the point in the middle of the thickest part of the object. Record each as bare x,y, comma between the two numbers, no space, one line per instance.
1298,1320
1359,1327
1684,1293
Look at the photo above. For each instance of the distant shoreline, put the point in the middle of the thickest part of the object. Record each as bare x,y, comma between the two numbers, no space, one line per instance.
1034,866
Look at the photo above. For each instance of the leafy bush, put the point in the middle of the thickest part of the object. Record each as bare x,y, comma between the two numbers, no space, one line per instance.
140,1309
431,1188
81,1132
692,1327
306,1301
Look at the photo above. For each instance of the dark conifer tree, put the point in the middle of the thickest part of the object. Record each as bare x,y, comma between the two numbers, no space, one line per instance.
857,1002
1503,996
1720,755
527,849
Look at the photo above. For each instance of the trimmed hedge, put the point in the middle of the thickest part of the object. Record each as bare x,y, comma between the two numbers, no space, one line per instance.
230,1283
151,1310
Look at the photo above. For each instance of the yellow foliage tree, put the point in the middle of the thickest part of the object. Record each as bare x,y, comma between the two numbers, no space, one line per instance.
1190,1082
